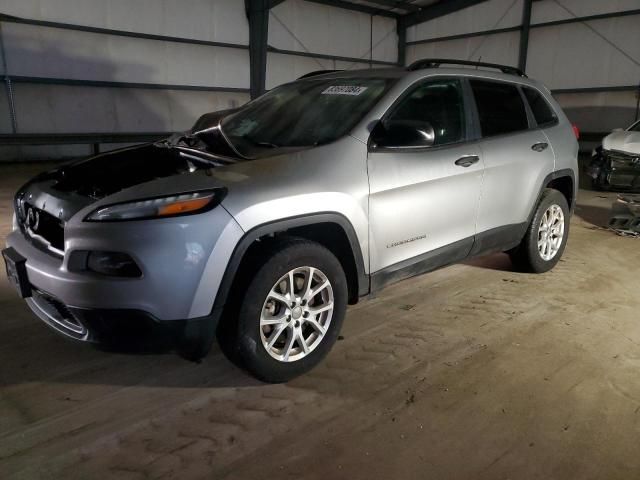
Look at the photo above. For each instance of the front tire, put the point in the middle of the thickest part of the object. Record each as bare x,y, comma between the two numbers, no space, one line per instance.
546,236
292,311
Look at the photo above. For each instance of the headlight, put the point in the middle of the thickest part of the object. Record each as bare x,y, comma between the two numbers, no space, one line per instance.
183,204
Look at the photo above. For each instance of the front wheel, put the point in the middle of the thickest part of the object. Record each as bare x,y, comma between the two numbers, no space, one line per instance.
292,311
546,236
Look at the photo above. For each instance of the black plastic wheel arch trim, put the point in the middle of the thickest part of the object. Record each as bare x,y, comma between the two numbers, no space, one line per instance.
281,226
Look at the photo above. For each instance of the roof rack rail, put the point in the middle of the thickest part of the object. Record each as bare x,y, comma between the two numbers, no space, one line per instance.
436,62
317,72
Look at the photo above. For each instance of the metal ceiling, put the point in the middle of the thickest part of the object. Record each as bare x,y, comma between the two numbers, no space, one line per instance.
408,12
398,7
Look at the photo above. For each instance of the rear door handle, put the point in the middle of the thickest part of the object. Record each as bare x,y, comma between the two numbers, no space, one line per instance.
538,147
467,160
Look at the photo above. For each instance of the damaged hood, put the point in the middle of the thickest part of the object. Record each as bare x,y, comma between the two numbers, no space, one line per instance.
121,175
625,141
181,163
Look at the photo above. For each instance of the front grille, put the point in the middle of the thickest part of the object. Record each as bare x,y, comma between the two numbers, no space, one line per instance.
42,228
621,160
624,170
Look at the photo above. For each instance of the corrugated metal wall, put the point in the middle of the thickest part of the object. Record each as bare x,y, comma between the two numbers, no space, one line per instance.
45,53
160,85
598,54
494,14
163,83
309,27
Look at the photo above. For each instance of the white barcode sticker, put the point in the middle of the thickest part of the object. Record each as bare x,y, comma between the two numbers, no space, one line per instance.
344,90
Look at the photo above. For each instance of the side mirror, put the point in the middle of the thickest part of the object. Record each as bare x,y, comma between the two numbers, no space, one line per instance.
404,134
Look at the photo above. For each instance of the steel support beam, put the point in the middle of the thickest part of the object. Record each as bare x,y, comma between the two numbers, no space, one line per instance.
119,33
460,36
258,14
16,79
437,10
329,57
356,7
613,88
79,138
402,43
588,18
482,33
407,7
524,34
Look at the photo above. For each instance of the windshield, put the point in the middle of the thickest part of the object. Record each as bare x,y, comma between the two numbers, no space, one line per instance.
635,127
304,113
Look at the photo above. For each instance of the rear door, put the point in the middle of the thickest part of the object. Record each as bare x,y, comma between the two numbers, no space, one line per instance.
517,158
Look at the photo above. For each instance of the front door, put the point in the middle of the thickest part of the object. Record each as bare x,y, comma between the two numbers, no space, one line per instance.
423,201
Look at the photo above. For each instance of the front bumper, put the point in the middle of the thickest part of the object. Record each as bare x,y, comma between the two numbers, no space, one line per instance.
96,325
614,169
177,256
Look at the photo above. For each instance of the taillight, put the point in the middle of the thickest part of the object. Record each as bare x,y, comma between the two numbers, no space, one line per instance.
576,131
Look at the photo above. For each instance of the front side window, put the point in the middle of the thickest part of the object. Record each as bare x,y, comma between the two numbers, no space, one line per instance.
500,107
304,113
437,103
542,112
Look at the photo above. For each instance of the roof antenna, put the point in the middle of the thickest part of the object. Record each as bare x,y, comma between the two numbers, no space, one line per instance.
479,60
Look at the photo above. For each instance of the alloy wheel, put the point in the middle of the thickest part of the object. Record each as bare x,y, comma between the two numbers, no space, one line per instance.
550,232
296,314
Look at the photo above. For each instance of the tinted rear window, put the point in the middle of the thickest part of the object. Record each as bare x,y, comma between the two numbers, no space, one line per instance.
500,108
539,106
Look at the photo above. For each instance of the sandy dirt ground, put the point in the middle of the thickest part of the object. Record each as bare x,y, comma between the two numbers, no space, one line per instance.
473,371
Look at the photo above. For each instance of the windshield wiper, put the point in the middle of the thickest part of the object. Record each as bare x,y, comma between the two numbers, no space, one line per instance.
185,145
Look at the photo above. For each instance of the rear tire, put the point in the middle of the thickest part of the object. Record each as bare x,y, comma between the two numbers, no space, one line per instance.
546,237
278,335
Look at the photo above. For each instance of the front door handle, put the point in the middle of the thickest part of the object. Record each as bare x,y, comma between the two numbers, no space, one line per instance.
538,147
467,160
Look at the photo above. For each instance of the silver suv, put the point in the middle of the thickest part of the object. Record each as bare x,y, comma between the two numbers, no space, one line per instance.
261,224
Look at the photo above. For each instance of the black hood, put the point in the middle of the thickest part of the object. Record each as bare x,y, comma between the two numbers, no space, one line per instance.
201,148
105,174
96,177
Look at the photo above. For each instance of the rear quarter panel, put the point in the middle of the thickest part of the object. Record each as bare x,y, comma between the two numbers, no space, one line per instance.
562,139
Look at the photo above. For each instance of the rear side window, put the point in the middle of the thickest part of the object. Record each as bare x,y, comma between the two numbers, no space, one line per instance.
541,109
500,108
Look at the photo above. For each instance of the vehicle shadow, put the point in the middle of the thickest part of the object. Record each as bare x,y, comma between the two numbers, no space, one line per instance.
495,261
32,353
594,215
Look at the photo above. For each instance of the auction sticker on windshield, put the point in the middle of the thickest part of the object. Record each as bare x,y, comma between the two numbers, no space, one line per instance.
344,90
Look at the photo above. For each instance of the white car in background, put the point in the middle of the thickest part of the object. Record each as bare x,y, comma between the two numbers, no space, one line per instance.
616,163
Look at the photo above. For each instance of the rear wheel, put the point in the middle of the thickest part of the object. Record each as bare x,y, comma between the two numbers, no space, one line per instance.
292,311
546,237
